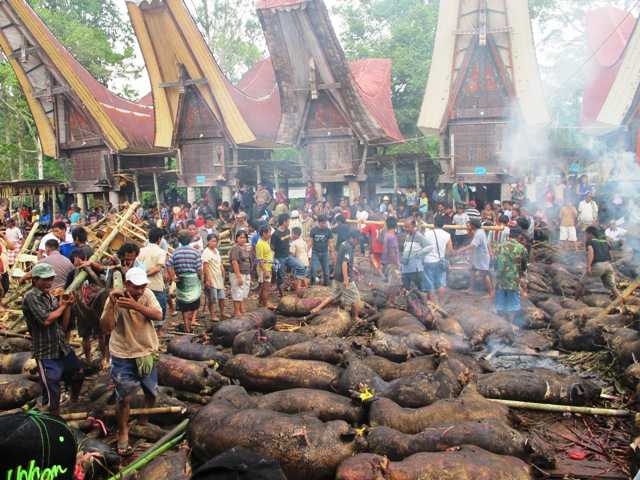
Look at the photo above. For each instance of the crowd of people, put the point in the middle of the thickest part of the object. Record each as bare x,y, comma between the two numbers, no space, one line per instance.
200,256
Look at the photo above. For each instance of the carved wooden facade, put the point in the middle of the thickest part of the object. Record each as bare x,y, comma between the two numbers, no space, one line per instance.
324,109
484,77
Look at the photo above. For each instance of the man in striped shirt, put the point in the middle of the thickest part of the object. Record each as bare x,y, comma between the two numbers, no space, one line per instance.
185,267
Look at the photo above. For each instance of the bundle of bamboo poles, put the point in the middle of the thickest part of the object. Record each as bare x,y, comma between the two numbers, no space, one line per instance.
425,225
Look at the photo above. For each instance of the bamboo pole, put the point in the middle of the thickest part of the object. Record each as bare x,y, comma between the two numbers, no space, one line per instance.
146,458
425,225
22,289
550,407
178,429
633,286
27,243
134,412
101,250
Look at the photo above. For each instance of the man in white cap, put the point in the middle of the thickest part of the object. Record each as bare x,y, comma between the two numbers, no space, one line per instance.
129,315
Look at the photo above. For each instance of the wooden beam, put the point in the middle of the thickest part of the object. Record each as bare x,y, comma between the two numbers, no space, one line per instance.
184,83
50,92
23,51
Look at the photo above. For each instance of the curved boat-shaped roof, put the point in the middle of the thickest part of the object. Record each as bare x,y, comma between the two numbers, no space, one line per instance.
614,76
37,57
373,82
305,51
175,54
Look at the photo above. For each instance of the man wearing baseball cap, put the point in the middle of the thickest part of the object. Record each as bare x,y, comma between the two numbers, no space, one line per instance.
129,315
47,325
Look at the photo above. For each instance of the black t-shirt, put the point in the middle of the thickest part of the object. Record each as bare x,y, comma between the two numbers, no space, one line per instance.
342,232
448,219
345,254
321,237
280,246
600,250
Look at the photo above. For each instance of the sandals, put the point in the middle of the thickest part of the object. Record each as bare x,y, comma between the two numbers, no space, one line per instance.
125,451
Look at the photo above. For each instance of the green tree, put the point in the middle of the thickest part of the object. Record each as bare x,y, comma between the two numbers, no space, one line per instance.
233,32
402,30
97,35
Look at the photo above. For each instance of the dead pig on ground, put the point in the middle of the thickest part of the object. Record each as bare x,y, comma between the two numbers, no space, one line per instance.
188,375
272,374
538,385
305,447
326,406
225,331
467,463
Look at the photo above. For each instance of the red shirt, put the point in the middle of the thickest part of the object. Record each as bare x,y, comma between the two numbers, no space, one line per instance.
200,222
372,231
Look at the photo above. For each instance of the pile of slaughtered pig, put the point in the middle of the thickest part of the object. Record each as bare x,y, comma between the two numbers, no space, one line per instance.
411,390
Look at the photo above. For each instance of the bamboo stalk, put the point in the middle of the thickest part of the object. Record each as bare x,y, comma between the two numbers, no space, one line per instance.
25,246
178,429
146,458
633,286
134,412
100,251
550,407
426,225
22,289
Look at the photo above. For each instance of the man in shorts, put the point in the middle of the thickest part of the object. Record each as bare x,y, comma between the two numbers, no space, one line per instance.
511,265
568,222
47,323
345,291
480,255
599,258
134,347
214,274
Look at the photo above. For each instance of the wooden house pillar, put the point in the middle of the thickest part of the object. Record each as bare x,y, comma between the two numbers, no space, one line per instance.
114,198
395,177
136,186
191,195
354,190
156,188
54,202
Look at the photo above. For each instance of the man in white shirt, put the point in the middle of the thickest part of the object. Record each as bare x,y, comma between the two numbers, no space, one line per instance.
435,261
615,235
154,259
587,211
59,233
13,233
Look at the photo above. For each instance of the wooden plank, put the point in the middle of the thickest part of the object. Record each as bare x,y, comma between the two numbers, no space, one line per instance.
585,469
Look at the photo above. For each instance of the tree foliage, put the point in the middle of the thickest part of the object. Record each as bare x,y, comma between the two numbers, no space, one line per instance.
233,32
402,30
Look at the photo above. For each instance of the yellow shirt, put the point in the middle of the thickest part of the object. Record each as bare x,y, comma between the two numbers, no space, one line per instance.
264,255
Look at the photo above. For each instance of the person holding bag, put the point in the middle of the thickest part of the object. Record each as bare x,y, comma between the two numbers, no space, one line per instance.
436,263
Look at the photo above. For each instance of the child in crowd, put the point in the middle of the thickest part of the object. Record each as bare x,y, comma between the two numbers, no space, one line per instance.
300,250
